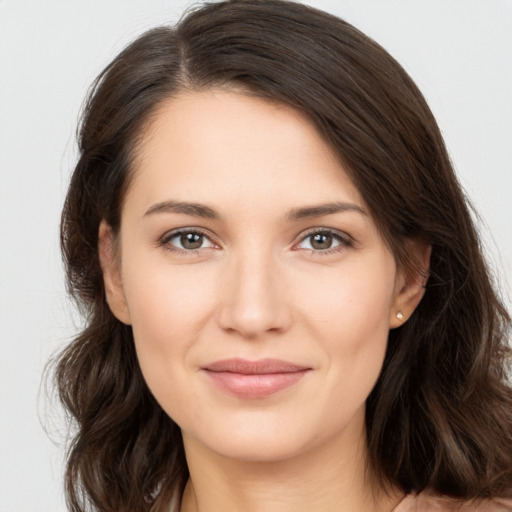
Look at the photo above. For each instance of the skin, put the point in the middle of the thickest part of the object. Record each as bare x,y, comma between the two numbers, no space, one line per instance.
256,287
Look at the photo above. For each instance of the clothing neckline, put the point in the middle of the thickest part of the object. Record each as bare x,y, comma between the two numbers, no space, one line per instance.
407,497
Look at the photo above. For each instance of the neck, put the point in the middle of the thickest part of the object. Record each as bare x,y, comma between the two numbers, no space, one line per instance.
329,478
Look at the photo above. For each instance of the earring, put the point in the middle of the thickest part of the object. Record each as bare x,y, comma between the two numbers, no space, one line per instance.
400,315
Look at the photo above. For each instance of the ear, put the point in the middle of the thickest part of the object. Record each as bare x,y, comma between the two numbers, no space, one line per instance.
410,283
112,281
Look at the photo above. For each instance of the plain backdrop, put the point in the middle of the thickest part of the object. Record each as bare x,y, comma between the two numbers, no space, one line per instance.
459,52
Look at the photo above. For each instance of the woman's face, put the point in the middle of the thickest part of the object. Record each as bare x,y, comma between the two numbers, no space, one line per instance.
259,289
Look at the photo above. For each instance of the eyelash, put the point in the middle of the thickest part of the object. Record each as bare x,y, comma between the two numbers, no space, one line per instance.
166,239
345,241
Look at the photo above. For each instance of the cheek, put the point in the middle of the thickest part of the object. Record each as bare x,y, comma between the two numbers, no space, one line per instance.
165,302
348,313
354,299
168,310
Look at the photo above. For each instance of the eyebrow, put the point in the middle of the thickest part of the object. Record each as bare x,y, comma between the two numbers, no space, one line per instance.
201,210
324,209
195,209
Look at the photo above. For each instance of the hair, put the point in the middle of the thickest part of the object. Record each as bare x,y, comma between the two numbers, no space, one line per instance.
443,398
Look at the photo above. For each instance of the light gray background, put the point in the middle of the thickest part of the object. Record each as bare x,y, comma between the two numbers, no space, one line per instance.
458,51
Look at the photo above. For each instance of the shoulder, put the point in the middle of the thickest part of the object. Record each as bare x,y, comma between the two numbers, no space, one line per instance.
432,502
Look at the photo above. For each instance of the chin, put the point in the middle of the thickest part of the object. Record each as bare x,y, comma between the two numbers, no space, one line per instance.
260,437
264,448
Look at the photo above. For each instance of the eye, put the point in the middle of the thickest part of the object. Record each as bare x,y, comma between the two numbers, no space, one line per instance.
325,241
187,240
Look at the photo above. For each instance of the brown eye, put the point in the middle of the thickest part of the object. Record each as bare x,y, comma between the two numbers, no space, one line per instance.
187,241
321,241
325,241
191,240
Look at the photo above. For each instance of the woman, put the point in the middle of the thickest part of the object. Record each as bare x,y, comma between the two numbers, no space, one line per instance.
287,307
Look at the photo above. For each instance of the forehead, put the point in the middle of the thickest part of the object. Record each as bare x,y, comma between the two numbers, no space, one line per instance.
215,144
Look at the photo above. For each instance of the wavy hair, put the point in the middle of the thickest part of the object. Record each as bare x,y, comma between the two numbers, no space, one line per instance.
440,415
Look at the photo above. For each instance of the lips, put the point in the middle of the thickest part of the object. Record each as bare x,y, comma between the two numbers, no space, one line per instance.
254,379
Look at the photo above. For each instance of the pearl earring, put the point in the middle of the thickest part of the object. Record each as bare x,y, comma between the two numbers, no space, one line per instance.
400,315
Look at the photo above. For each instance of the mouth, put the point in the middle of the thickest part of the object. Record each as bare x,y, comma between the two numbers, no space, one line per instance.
254,379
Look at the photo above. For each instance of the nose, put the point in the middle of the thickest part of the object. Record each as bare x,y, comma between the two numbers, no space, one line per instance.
253,297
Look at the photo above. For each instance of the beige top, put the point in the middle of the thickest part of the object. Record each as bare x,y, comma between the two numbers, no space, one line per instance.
429,502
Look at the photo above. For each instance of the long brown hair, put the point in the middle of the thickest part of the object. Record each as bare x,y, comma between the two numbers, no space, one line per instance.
440,415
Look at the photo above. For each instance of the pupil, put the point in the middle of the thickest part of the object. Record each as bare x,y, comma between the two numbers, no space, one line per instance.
191,240
322,241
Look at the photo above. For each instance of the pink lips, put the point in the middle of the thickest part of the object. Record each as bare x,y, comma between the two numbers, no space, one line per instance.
254,379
